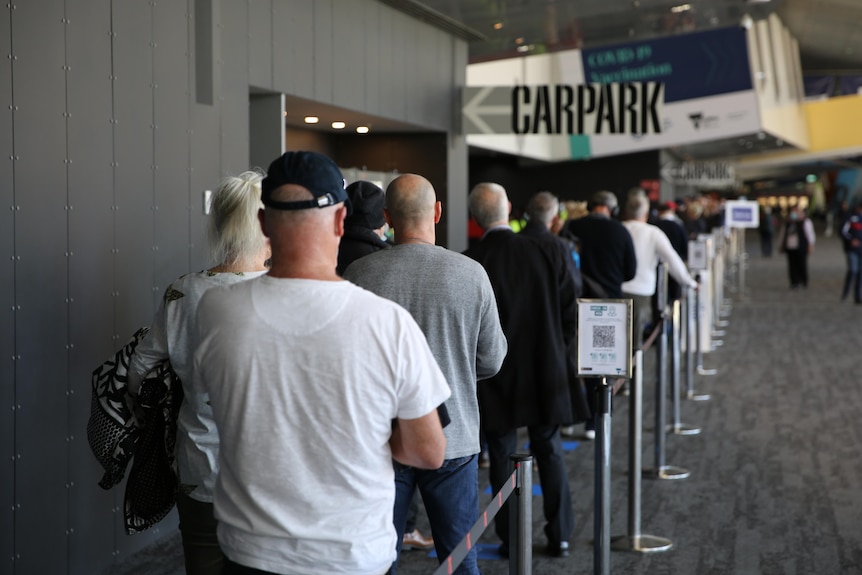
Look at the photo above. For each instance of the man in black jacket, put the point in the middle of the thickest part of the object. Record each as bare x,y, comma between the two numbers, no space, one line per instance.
607,251
607,256
536,298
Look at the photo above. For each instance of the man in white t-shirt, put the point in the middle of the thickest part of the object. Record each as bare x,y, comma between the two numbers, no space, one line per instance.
316,385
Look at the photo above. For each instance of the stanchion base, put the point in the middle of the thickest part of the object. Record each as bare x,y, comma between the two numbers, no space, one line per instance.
641,543
716,343
698,396
718,333
703,371
666,472
683,429
722,323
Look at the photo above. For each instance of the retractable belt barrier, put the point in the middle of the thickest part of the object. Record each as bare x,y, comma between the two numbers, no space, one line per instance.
662,470
520,486
677,427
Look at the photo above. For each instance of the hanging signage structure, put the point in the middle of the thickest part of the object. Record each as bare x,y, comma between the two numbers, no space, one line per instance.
741,214
700,174
605,337
564,109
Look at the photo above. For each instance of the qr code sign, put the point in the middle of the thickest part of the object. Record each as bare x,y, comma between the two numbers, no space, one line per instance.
603,337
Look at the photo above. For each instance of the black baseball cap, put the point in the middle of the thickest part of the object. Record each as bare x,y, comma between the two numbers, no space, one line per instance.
311,170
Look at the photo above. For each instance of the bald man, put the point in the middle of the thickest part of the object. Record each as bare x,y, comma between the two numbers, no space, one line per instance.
316,386
451,298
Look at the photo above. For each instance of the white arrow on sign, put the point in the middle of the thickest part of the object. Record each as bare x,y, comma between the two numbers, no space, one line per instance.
473,110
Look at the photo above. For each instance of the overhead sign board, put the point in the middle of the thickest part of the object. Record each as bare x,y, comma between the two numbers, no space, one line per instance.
700,174
564,109
692,66
741,214
706,80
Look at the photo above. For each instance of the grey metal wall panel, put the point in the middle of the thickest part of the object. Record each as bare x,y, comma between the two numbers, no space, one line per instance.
294,65
443,113
324,57
420,78
349,64
373,66
41,289
260,43
133,172
457,169
266,130
205,174
7,300
234,90
390,100
91,232
171,81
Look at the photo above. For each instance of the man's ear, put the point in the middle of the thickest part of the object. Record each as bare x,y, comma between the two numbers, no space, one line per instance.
386,217
438,212
340,214
261,217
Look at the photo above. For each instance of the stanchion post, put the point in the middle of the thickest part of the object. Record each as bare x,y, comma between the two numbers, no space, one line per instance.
521,516
602,514
634,540
662,470
742,256
661,367
678,428
698,350
691,336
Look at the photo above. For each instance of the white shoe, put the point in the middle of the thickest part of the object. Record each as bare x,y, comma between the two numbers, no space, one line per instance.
589,434
568,431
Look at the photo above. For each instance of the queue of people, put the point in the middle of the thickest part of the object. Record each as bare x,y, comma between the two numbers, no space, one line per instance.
330,375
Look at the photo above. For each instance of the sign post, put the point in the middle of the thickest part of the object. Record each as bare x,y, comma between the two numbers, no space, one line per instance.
604,350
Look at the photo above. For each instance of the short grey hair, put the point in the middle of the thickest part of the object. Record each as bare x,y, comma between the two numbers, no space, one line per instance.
637,205
233,230
543,207
489,204
604,198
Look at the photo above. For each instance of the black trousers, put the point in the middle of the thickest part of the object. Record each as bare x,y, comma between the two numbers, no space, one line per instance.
547,451
797,267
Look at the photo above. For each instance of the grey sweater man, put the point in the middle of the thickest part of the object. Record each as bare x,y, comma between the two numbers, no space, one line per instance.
451,298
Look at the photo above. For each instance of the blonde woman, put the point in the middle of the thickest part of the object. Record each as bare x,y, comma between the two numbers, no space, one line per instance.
240,251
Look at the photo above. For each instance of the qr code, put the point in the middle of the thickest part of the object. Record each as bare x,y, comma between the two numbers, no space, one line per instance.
603,336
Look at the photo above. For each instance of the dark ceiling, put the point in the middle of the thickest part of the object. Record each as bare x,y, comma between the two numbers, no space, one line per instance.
829,32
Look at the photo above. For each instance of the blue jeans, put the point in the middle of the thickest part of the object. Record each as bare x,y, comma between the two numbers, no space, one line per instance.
451,497
854,276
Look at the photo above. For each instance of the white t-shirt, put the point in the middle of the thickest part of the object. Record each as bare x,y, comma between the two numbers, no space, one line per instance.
305,378
170,337
651,247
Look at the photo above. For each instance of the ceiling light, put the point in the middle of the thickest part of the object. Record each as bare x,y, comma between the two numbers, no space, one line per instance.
311,119
338,125
498,25
362,129
523,48
681,8
519,40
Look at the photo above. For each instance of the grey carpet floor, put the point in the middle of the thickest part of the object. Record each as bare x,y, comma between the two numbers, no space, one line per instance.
776,474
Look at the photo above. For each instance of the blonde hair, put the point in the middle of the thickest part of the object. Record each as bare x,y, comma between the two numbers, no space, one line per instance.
233,230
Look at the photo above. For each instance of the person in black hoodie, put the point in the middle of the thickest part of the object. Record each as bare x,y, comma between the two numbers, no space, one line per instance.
363,228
